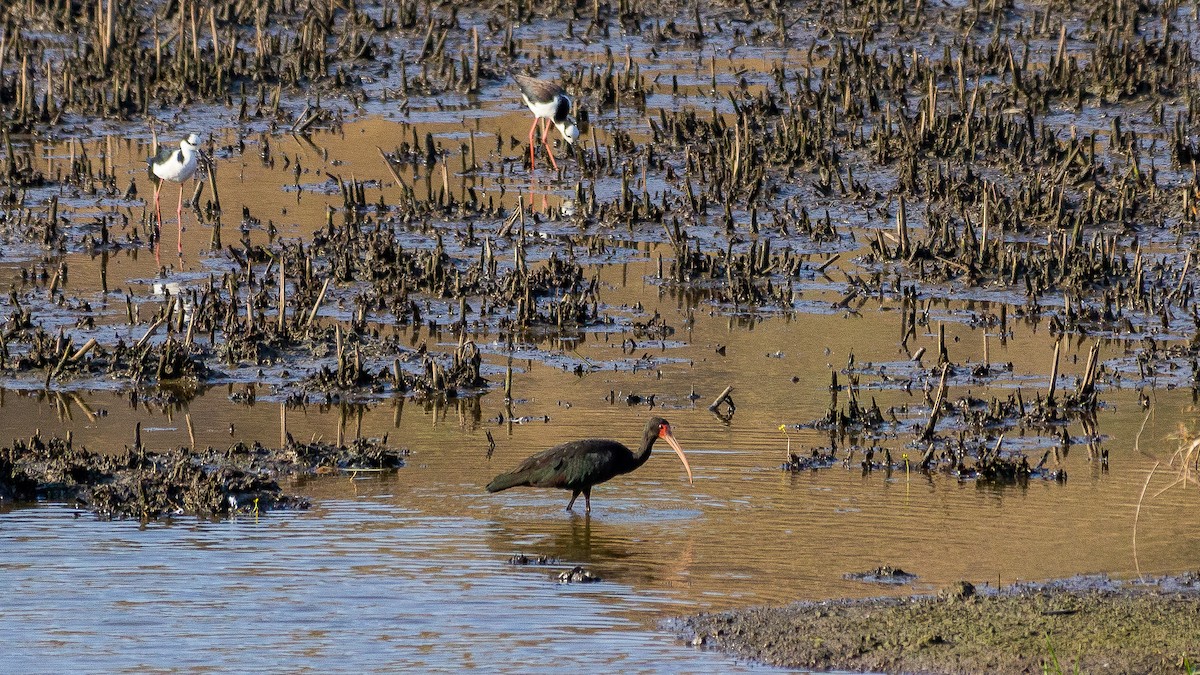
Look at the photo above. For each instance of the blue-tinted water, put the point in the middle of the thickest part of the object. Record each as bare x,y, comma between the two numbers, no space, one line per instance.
357,585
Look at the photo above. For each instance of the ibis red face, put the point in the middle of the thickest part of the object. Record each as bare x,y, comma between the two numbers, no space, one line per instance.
664,432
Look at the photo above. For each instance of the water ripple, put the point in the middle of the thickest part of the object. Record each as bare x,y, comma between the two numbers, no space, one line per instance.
358,586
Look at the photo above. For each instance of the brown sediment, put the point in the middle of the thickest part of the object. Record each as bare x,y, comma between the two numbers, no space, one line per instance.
1090,625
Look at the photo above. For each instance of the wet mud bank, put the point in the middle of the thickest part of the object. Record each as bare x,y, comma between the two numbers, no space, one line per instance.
148,485
1090,624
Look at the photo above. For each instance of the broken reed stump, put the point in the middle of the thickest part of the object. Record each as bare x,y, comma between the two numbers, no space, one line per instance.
1053,375
726,399
1086,391
937,406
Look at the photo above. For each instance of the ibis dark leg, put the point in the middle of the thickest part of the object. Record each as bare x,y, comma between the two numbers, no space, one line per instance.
587,499
575,496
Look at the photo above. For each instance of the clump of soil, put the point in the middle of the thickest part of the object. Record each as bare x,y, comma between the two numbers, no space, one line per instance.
578,575
885,574
1078,625
148,485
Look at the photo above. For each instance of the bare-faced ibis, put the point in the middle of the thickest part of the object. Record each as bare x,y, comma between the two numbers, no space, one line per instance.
578,465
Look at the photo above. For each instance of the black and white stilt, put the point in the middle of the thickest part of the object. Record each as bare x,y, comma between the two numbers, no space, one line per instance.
175,166
549,103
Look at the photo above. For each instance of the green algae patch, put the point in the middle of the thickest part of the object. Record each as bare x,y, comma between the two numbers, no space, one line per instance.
1092,625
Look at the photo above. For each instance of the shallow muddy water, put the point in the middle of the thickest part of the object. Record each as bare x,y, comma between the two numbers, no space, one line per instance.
357,584
411,569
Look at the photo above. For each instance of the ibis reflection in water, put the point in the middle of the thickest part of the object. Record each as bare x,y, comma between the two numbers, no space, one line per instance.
578,465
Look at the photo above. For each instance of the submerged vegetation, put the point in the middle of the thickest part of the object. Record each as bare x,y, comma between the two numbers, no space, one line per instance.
1034,163
148,485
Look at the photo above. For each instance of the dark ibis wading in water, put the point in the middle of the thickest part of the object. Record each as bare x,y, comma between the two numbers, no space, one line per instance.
578,465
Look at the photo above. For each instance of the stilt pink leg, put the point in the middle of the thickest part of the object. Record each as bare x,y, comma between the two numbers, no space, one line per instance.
532,164
546,142
179,214
158,221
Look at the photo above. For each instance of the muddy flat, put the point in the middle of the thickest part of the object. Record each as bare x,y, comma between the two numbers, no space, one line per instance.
1090,625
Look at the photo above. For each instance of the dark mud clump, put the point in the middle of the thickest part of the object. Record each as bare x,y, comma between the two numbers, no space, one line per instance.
578,575
148,485
885,574
1080,625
